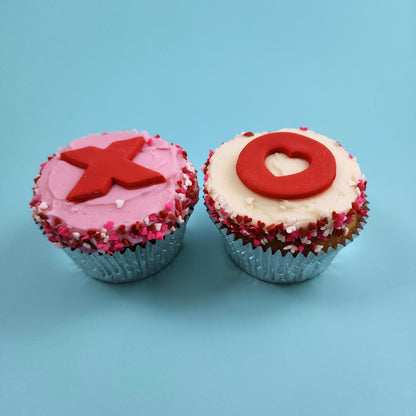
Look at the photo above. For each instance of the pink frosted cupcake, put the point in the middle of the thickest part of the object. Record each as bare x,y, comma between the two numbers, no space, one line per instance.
117,203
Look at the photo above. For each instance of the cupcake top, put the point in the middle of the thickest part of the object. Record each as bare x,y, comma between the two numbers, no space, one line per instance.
112,190
278,185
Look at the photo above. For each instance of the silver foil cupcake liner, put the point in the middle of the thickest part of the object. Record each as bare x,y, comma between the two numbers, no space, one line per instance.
133,264
276,268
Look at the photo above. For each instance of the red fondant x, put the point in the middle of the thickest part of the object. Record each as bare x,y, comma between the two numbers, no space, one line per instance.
105,167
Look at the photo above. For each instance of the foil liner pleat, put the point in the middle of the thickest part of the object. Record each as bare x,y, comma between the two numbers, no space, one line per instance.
276,268
132,264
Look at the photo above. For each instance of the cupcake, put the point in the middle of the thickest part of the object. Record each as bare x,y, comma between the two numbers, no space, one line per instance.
116,203
285,202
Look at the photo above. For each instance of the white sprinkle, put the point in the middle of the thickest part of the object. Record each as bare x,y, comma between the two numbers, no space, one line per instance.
291,247
36,190
249,200
188,183
158,226
94,241
106,239
351,182
290,220
346,230
281,237
76,235
146,220
282,207
305,240
86,245
43,205
290,229
318,248
179,220
119,203
57,244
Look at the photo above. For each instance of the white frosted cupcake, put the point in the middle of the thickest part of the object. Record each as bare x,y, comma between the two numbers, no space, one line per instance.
286,202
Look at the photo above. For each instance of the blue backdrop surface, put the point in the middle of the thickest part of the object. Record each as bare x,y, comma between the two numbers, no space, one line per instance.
202,337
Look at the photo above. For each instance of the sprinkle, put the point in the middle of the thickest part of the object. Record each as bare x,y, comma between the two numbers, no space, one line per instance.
86,245
159,235
291,229
351,182
282,207
43,205
318,248
249,200
119,203
303,128
109,225
169,205
290,220
291,247
76,235
150,142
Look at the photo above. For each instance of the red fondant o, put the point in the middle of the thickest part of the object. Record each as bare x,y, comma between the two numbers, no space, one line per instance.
104,167
318,177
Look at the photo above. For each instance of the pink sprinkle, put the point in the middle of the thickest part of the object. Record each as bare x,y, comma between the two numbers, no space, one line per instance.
300,248
169,206
303,128
257,242
164,227
63,231
150,142
109,225
159,235
152,217
351,156
104,246
183,190
113,237
42,164
118,246
151,235
86,237
210,152
144,231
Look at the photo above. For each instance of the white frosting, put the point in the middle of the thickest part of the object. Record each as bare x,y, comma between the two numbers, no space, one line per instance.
231,195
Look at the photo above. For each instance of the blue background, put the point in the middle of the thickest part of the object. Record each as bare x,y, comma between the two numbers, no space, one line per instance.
202,337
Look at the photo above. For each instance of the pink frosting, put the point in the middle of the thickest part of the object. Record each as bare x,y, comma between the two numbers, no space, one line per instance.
120,206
